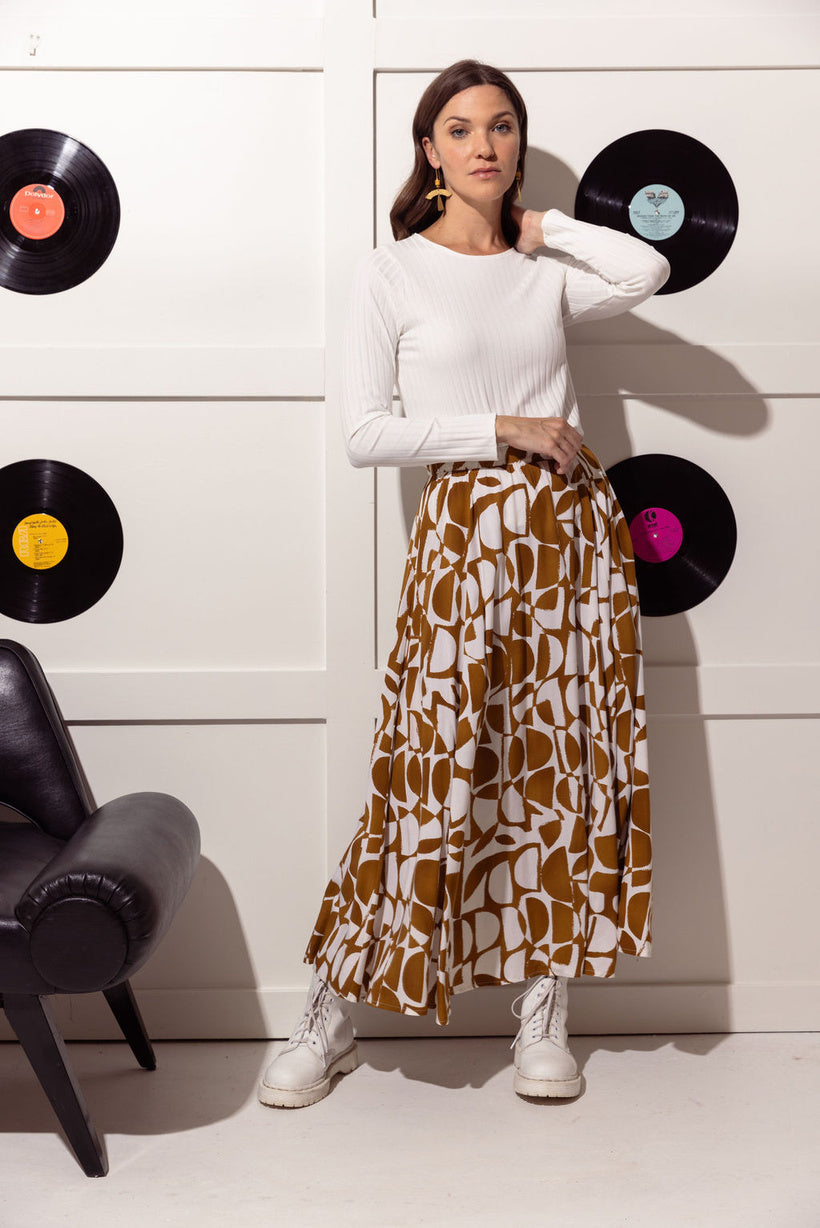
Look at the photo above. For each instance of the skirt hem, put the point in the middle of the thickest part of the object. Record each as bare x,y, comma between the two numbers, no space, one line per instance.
395,1007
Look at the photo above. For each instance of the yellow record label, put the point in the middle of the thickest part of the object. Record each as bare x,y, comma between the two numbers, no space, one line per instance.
40,541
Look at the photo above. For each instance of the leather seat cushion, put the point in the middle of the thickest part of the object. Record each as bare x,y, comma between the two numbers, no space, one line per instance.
24,850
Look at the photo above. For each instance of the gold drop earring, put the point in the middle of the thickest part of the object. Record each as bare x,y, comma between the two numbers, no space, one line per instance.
518,181
438,191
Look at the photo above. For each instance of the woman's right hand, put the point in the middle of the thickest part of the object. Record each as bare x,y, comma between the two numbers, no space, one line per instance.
550,437
530,234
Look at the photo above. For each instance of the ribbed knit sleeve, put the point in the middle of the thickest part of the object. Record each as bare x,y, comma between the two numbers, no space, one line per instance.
373,434
606,271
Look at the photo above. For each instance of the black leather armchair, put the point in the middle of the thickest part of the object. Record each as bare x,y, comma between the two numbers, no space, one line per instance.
85,893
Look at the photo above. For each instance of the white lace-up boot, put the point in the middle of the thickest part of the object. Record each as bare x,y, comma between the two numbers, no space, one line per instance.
322,1044
543,1063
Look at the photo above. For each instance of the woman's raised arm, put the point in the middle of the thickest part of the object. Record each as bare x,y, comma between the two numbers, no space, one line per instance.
605,271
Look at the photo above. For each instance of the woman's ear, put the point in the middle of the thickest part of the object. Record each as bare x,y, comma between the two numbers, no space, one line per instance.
429,149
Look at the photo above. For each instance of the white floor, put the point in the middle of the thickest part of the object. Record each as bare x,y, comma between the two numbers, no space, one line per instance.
669,1130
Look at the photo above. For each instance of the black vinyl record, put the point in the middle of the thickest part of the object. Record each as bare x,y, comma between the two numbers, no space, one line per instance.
59,211
60,541
682,526
669,190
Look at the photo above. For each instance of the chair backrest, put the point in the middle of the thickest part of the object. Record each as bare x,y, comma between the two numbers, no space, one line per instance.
39,772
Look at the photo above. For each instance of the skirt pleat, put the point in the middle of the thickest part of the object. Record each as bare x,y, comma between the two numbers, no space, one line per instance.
506,830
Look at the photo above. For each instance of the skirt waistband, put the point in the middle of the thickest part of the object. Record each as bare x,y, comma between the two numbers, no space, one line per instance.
513,456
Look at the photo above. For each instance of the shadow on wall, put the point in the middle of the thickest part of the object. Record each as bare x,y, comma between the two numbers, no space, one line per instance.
206,935
691,941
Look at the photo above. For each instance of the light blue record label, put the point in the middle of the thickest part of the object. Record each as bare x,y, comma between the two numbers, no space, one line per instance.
656,212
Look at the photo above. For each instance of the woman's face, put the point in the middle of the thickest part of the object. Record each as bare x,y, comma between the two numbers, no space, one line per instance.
475,143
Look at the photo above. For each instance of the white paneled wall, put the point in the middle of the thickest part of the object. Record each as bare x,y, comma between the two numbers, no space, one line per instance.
208,239
212,575
234,661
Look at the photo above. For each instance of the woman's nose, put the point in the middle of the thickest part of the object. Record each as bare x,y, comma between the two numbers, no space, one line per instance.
484,147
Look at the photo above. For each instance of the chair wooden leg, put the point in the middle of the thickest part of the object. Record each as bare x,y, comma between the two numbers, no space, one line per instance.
33,1022
127,1014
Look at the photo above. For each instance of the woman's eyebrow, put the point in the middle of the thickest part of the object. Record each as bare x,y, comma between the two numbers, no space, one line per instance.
462,120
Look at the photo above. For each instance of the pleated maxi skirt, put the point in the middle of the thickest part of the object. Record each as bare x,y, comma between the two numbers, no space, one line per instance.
506,829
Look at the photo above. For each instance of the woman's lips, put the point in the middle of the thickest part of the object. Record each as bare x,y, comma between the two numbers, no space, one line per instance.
485,173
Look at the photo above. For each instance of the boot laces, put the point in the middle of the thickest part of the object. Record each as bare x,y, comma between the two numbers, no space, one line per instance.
313,1021
543,1004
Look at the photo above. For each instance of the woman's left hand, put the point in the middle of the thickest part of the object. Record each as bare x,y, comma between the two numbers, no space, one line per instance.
529,224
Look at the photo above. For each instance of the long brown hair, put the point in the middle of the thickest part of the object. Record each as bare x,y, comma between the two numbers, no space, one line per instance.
411,212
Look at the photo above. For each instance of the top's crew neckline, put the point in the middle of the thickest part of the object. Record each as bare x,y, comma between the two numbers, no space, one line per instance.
466,255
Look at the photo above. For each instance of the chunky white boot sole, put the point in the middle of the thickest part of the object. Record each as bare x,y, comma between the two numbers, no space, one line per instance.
301,1097
557,1089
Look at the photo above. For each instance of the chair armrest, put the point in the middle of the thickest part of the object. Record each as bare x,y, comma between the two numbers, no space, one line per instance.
100,907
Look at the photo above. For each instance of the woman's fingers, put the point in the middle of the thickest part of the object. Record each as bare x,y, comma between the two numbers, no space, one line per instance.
560,434
551,437
529,226
562,443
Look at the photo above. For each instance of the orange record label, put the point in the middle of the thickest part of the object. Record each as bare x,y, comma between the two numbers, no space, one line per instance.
40,541
37,212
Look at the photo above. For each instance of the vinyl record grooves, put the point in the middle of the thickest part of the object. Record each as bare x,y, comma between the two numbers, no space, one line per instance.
669,190
60,541
682,526
59,211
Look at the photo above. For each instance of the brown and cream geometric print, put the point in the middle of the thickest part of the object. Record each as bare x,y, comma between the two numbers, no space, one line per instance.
506,832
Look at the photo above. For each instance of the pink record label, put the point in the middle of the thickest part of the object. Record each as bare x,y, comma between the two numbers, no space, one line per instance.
656,534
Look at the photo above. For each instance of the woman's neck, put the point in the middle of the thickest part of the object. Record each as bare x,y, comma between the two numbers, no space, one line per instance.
465,229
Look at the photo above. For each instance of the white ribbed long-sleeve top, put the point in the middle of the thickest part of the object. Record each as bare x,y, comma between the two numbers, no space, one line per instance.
464,338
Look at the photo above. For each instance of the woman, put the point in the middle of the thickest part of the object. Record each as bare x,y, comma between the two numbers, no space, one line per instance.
506,832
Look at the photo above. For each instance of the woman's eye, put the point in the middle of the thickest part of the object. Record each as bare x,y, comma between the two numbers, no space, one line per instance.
505,126
458,132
